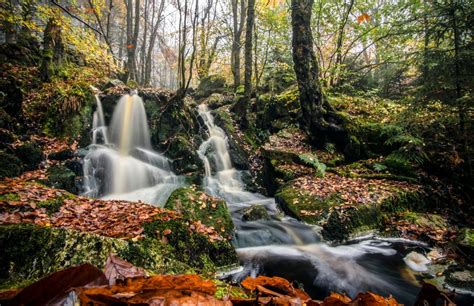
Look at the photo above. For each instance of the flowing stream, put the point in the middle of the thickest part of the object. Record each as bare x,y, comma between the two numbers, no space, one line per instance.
120,163
283,246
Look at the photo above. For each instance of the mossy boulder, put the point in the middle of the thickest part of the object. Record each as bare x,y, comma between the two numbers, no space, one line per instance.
255,212
30,154
185,158
10,165
280,111
217,100
195,204
61,155
331,202
30,252
209,85
61,177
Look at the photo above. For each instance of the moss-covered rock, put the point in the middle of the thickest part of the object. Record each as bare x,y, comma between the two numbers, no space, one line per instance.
62,178
280,111
10,165
239,156
209,85
217,100
346,207
195,204
30,252
255,212
30,154
61,155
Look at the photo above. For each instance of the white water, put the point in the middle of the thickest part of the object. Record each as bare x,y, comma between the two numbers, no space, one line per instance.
289,248
99,129
120,163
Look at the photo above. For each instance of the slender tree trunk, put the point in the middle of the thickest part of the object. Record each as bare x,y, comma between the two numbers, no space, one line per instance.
340,36
459,93
242,105
320,121
236,37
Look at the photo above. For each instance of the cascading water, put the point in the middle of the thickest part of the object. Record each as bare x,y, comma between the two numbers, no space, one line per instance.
120,163
286,247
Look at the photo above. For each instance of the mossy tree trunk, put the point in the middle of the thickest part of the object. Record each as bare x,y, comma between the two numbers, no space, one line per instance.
53,49
320,121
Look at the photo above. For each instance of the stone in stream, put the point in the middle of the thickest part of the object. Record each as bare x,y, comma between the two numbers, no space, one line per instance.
255,212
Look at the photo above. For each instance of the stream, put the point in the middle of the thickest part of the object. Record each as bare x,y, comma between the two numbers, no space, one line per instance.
121,164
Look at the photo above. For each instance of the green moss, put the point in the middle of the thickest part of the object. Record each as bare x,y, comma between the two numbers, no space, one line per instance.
30,252
226,290
9,197
194,204
193,248
30,154
62,178
349,219
10,165
53,205
296,202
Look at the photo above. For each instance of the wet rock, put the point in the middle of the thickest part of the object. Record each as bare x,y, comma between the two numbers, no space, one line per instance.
75,166
62,178
255,212
209,85
463,279
239,157
61,155
184,157
30,154
10,165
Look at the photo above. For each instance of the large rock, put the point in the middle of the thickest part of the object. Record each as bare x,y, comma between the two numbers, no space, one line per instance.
62,178
30,252
10,165
30,154
255,212
195,204
346,207
209,85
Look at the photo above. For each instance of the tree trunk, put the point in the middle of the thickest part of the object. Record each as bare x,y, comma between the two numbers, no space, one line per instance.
242,104
53,49
236,35
320,121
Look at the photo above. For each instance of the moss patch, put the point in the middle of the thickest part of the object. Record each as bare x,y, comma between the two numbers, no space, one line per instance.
195,204
30,252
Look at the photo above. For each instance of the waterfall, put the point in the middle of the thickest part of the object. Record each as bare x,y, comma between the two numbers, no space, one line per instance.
99,128
226,177
286,247
123,165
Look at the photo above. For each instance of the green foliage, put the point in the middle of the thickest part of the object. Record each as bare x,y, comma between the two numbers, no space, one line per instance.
312,160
